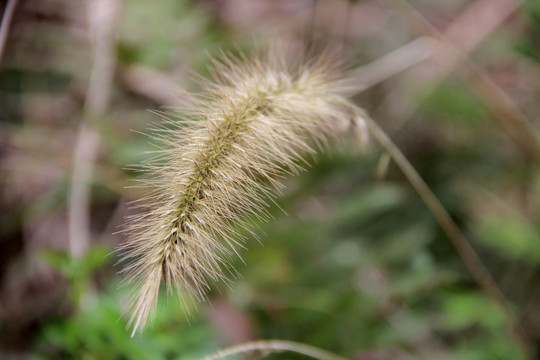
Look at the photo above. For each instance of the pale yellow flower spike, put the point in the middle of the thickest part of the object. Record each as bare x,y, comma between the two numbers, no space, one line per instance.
252,123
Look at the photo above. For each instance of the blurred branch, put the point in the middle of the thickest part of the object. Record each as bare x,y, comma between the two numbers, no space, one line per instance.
476,23
391,64
453,36
472,26
157,87
107,176
102,15
4,26
273,346
149,83
79,203
506,112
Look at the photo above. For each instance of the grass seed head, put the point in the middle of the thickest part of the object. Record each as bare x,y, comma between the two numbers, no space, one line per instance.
252,123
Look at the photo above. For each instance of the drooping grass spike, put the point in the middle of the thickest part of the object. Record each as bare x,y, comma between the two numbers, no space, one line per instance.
252,123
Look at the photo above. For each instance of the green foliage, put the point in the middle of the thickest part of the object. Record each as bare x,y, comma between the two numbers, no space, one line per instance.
73,268
99,332
155,35
454,101
97,329
528,44
462,311
511,236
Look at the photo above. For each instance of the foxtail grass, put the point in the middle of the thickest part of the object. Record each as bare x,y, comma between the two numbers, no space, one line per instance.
222,163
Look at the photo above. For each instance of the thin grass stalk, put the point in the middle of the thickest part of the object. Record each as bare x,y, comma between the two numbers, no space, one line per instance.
267,347
465,250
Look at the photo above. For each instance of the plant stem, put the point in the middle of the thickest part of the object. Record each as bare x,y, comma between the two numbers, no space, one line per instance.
465,250
273,346
102,16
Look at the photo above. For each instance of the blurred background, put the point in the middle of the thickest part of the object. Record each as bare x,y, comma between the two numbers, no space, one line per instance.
358,266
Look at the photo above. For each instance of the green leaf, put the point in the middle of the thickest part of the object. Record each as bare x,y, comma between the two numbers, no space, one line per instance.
369,201
463,310
73,268
510,235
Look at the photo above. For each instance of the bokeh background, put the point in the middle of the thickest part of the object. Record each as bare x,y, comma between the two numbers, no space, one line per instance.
358,265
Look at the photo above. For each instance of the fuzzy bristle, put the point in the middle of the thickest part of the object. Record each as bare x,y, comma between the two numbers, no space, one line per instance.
251,124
